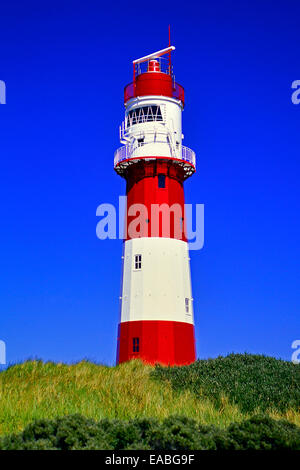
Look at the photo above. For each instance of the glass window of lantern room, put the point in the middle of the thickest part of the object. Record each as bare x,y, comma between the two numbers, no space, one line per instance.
129,119
158,114
144,114
138,262
151,113
133,118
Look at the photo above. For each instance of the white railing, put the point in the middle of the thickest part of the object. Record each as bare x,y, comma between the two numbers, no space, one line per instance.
188,155
126,152
123,153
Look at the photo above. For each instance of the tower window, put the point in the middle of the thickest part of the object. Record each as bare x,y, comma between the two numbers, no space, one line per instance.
187,305
138,262
161,181
135,344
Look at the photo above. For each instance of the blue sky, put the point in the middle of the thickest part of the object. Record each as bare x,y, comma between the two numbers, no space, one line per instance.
65,65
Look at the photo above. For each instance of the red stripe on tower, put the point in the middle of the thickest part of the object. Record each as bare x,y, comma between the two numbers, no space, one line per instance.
157,322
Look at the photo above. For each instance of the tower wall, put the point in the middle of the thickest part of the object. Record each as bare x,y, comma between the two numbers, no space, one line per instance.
157,186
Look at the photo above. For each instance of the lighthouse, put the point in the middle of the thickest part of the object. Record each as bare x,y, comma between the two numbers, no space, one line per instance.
156,303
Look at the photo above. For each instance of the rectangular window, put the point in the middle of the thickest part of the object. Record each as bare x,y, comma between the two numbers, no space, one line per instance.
144,114
161,181
135,344
187,305
138,262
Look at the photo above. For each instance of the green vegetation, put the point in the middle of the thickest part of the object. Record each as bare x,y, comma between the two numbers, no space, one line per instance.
251,382
213,393
36,390
174,433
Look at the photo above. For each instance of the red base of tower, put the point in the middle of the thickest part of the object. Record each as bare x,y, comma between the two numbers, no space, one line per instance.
164,342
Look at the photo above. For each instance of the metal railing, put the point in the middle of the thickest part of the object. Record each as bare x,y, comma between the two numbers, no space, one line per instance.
176,92
126,152
121,154
188,155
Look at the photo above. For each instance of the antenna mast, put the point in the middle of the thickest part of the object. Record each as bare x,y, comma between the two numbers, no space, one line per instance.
170,68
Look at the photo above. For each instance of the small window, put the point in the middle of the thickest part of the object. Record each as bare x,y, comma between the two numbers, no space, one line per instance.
135,344
187,305
138,262
161,181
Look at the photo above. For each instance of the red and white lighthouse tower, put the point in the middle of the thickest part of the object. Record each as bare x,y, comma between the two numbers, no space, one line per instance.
157,323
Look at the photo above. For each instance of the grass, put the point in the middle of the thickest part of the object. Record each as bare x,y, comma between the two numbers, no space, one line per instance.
36,390
252,382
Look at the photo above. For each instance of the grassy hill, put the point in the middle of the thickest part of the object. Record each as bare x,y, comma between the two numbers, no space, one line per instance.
214,392
253,382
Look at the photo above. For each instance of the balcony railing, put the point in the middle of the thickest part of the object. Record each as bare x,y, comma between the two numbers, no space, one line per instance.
177,92
126,152
188,155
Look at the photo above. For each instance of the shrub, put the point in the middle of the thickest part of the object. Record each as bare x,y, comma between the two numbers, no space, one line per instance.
261,433
174,433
